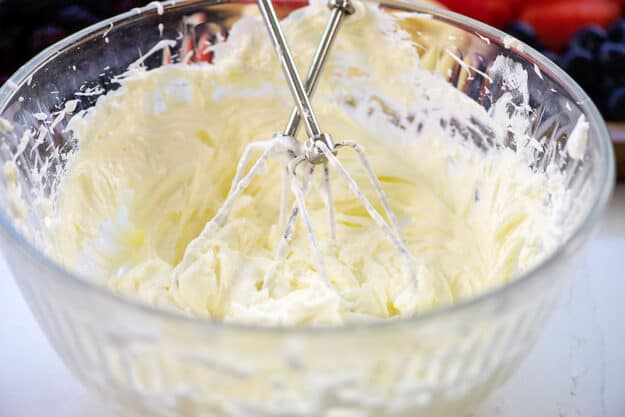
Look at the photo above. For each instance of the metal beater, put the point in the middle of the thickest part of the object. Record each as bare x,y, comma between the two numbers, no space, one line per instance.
318,150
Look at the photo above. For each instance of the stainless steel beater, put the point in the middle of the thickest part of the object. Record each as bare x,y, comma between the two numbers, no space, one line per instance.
318,149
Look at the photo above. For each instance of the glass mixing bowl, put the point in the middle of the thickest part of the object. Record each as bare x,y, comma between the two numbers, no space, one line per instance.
149,362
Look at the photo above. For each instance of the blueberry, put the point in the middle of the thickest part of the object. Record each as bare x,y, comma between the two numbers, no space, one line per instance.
10,48
525,33
609,84
612,58
554,57
616,104
7,50
125,5
101,8
616,31
108,8
45,36
606,86
581,65
29,7
75,17
589,38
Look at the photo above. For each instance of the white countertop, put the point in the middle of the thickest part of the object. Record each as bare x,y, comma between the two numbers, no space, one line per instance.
576,370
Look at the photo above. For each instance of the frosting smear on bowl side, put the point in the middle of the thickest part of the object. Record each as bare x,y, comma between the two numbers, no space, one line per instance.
157,156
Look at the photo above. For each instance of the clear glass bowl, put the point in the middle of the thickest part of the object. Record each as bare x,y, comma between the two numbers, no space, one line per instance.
154,363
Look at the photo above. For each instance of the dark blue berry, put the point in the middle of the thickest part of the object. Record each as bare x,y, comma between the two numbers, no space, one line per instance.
616,31
606,86
28,7
557,59
616,104
125,5
107,8
525,33
609,84
7,50
10,48
45,36
75,17
612,58
589,38
101,8
581,65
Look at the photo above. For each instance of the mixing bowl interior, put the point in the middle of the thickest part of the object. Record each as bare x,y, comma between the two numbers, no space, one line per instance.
74,73
159,363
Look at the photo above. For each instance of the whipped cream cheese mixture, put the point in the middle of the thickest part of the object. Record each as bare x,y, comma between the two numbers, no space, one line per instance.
156,159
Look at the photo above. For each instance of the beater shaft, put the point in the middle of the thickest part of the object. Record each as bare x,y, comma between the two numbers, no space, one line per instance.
339,10
288,66
319,147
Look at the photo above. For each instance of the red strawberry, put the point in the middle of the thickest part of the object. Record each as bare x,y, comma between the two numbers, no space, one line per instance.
556,22
493,12
202,51
472,8
499,13
283,6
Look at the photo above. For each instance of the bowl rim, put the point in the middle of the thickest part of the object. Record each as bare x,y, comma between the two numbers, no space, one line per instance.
603,196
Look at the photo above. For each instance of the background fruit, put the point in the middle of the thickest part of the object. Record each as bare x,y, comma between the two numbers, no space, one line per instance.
589,38
585,37
557,21
525,33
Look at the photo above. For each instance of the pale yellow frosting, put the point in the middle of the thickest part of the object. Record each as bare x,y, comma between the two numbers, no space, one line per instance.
157,156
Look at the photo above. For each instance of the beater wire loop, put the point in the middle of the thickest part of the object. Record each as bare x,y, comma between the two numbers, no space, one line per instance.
224,211
376,184
329,200
245,159
394,236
